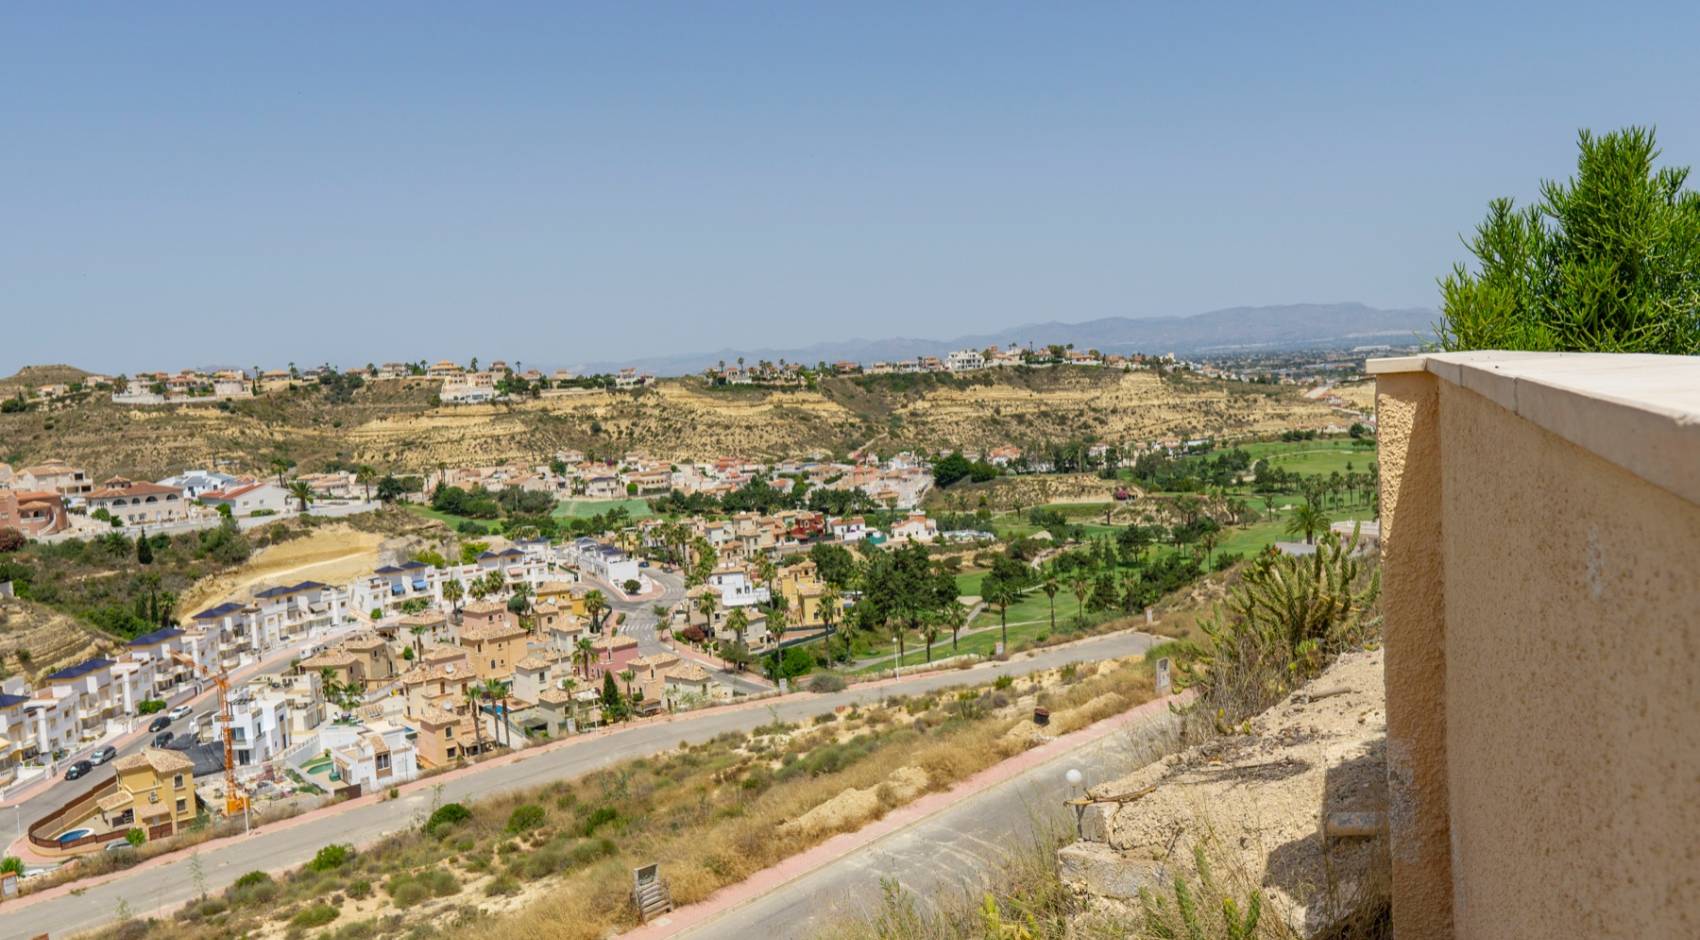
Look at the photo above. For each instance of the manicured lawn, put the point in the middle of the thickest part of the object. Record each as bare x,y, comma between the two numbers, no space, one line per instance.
968,583
448,518
585,508
1313,457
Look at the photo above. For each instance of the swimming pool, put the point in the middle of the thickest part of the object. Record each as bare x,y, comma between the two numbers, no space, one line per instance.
72,835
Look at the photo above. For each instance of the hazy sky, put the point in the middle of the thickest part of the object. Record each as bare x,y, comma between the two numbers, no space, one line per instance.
565,182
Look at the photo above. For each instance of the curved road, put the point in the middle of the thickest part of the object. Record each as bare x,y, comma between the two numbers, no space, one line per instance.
168,883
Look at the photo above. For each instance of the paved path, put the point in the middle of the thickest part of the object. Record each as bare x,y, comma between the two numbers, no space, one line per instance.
942,850
166,882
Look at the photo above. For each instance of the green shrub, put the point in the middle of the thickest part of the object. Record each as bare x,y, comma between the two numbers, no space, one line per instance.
316,915
1003,682
526,817
406,892
251,879
586,852
826,682
446,817
503,886
599,817
360,889
331,857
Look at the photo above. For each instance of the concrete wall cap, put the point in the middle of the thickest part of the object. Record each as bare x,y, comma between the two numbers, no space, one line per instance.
1639,411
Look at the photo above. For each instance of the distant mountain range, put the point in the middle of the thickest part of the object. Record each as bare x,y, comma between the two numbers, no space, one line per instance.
1236,329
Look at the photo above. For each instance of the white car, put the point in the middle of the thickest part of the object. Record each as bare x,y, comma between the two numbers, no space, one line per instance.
178,712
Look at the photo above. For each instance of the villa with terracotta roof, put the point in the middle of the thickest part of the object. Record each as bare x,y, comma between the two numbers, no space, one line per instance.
155,790
135,502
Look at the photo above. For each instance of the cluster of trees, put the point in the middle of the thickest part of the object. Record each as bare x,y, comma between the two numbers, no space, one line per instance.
955,467
1191,473
122,585
759,495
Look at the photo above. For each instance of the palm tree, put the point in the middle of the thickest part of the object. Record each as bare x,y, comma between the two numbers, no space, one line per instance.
828,609
453,592
594,604
1209,540
301,492
1051,587
584,653
364,476
738,621
1001,594
472,697
955,617
1078,582
705,606
930,632
1307,520
626,676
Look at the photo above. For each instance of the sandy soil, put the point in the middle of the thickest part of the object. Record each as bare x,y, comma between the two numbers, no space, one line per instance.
334,554
1256,804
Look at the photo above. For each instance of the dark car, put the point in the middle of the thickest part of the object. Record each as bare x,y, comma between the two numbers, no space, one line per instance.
159,724
78,769
103,755
162,739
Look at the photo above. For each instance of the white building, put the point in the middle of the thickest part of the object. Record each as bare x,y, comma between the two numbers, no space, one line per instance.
603,561
735,588
373,756
248,499
195,482
965,360
259,726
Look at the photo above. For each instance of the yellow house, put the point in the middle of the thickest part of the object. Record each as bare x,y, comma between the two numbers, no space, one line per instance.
802,590
493,641
564,594
156,791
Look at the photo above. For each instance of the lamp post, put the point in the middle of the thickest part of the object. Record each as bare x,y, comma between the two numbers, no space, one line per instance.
1075,778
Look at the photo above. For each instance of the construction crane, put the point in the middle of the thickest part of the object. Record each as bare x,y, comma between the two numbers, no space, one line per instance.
234,800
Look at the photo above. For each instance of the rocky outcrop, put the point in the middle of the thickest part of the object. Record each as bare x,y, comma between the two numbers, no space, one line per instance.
1259,805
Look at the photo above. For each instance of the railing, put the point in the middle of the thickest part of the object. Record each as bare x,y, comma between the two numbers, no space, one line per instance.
74,811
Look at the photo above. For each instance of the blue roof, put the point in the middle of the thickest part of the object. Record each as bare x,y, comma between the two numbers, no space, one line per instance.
410,565
388,569
213,613
292,589
158,635
80,669
7,701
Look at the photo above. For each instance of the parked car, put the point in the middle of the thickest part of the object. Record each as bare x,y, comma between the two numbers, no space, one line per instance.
178,712
162,739
103,755
159,724
119,846
80,768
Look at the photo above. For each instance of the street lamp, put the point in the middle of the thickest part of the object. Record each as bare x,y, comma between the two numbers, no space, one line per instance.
1075,778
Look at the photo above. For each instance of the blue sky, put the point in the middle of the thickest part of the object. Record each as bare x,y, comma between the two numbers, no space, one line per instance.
559,183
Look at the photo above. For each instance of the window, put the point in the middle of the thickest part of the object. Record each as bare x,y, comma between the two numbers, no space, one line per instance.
182,805
383,762
177,781
448,731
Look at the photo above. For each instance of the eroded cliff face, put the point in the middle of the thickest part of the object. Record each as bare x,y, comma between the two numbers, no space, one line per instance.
398,425
1257,805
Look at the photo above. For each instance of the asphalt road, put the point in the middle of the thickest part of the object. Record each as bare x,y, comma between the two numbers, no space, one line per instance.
949,858
291,844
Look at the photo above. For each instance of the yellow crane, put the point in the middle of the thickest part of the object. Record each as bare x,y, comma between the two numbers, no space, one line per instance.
234,800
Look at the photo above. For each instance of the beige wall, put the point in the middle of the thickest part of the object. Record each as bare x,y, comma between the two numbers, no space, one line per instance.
1543,674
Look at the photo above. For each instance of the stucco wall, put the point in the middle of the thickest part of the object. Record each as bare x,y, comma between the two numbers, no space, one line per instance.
1561,593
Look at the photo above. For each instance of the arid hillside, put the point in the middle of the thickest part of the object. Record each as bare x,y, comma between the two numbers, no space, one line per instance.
398,425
